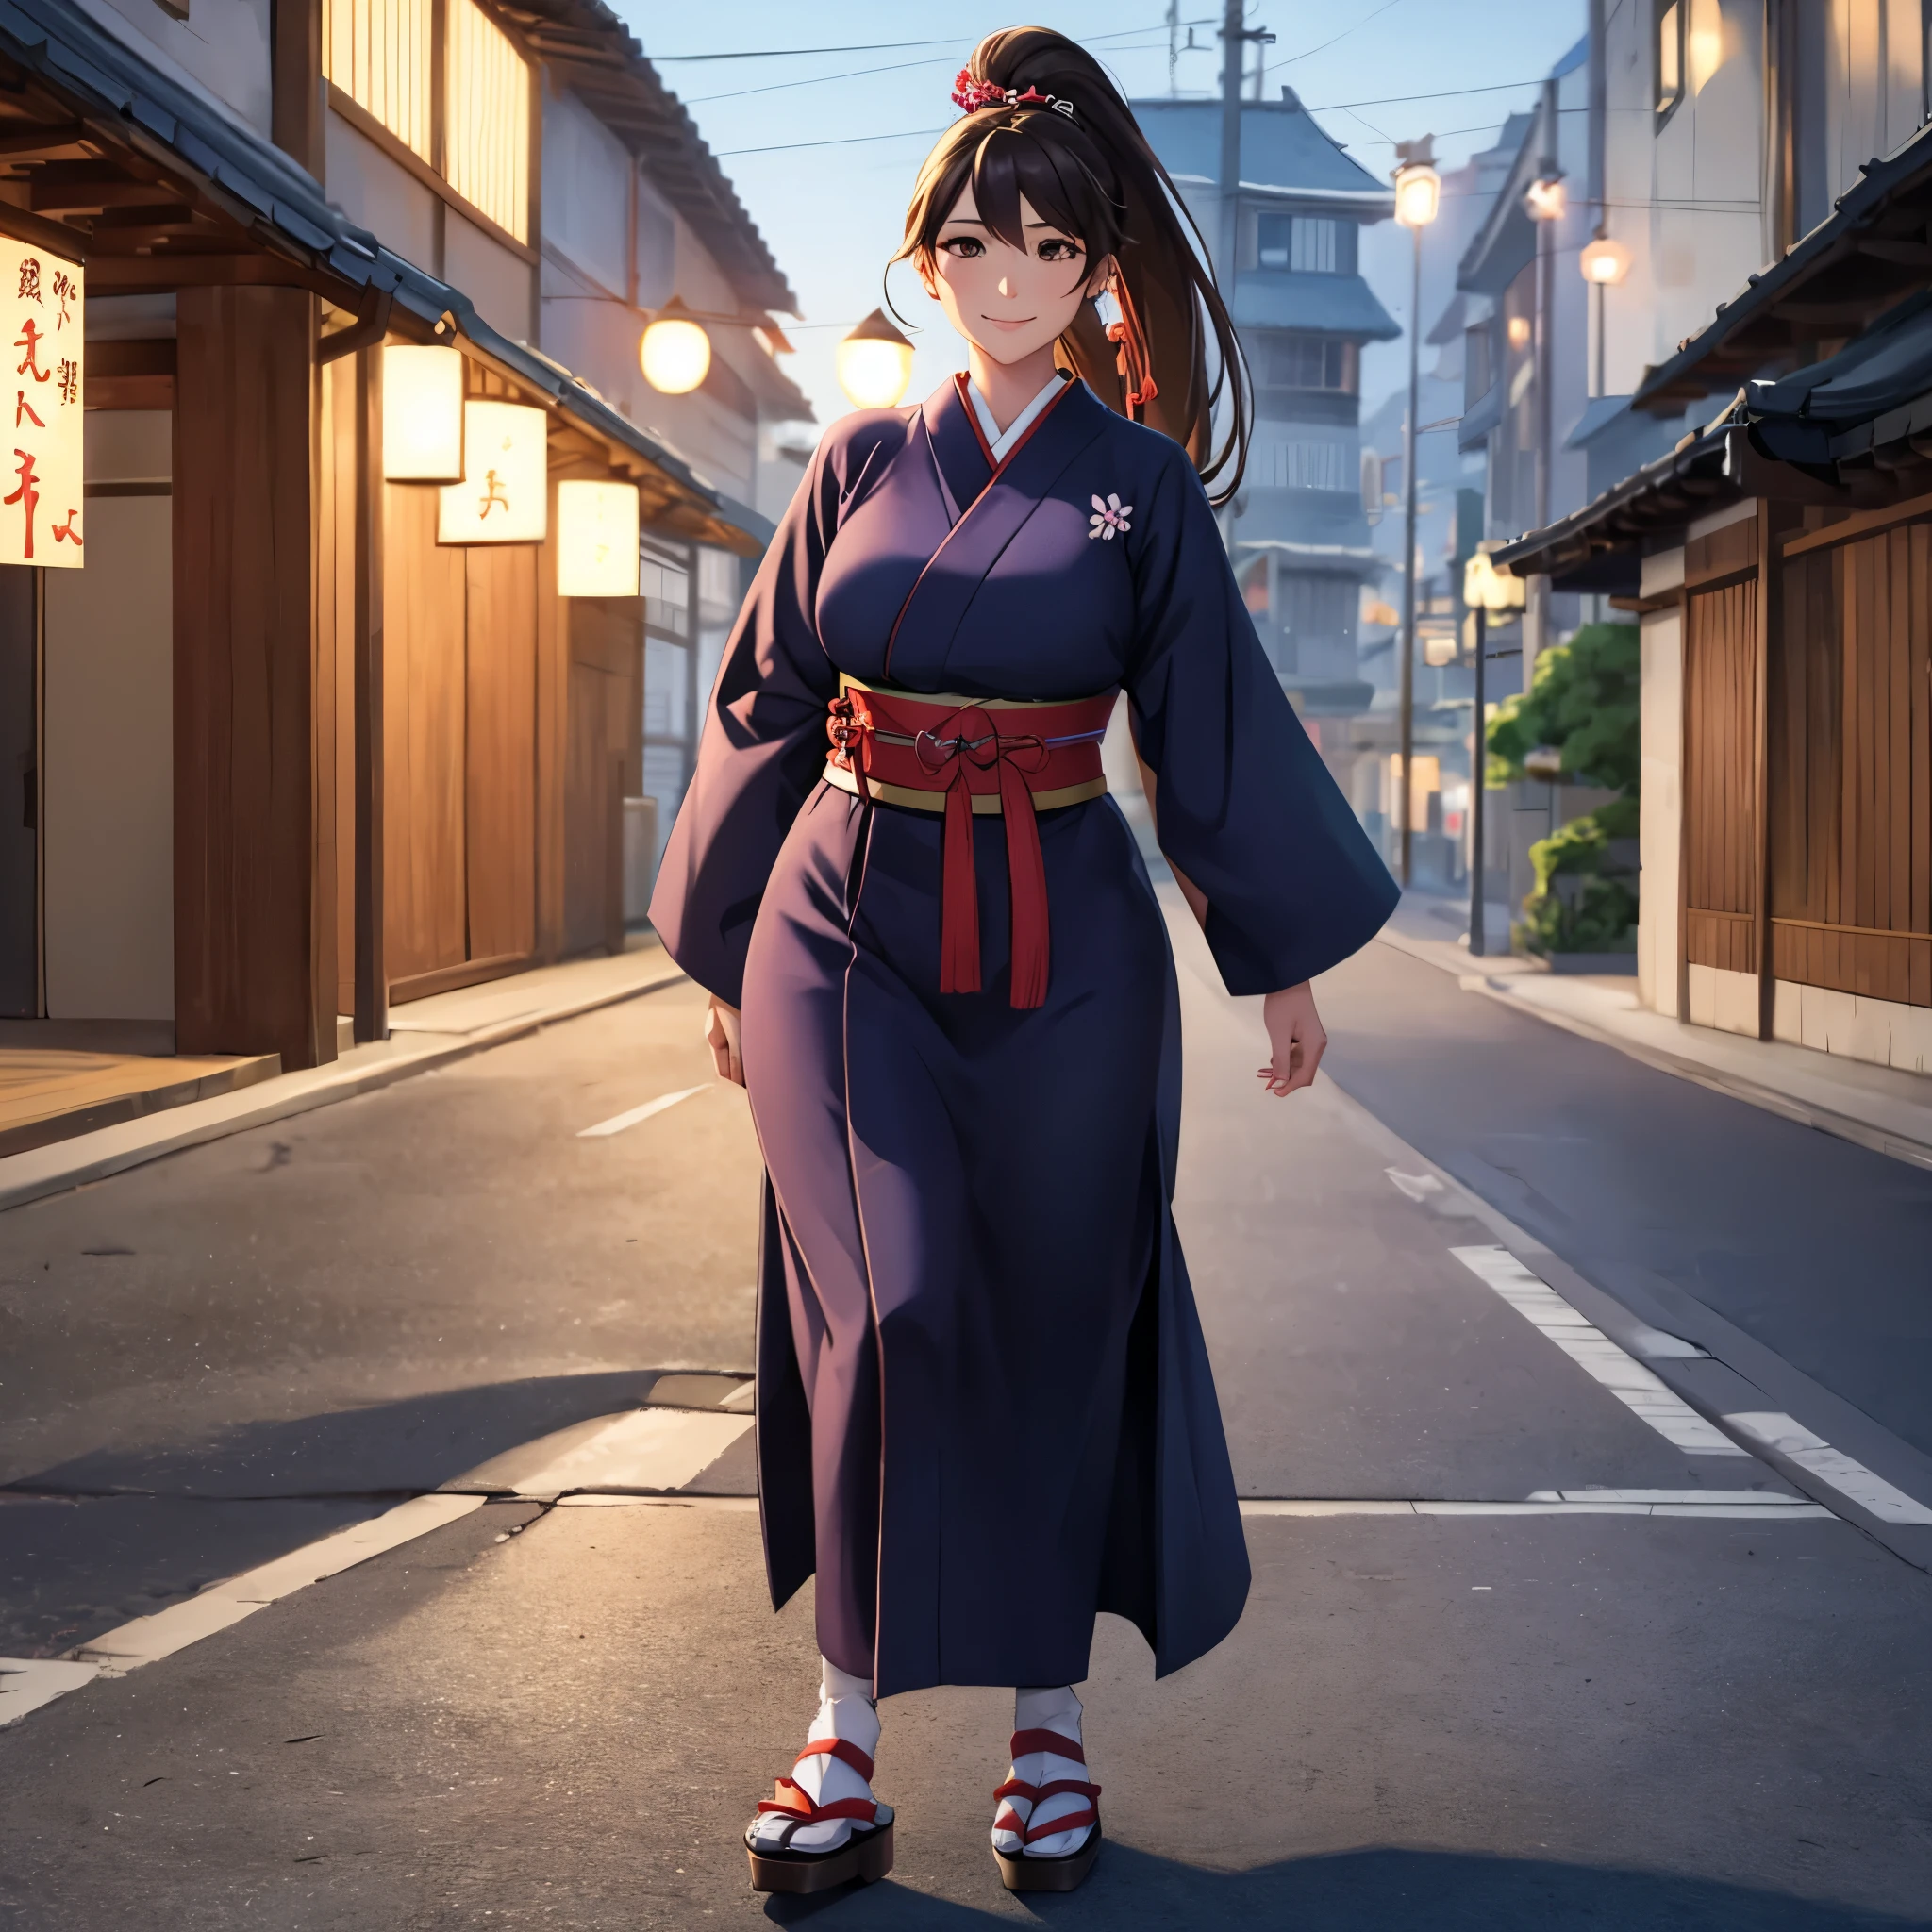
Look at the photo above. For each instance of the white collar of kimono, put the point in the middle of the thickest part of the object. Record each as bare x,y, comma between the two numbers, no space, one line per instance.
999,441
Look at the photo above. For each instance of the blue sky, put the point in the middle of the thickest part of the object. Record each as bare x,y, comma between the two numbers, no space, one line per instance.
832,210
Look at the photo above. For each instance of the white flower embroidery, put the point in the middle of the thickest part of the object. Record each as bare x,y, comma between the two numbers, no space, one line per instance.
1109,516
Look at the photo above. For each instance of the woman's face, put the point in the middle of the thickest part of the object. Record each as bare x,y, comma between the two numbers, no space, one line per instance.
1009,302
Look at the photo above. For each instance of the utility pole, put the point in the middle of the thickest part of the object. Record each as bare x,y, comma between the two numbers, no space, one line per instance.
1233,39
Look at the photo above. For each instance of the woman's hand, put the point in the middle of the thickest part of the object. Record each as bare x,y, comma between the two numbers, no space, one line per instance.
1295,1033
721,1035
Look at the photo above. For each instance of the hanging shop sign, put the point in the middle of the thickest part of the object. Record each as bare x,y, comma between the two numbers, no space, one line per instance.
41,499
597,540
505,494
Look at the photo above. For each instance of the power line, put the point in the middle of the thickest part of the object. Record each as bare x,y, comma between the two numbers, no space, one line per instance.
901,66
796,53
837,141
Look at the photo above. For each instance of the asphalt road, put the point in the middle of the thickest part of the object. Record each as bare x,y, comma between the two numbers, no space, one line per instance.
1503,1720
1650,1184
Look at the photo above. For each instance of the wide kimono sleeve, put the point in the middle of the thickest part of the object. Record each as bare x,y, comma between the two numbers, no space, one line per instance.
762,750
1243,805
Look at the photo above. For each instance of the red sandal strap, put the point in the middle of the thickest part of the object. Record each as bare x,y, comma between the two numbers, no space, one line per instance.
792,1799
845,1753
1074,1821
1025,1742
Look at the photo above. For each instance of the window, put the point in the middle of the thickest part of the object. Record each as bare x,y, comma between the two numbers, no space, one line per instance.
1318,609
1669,55
1304,465
1309,244
488,119
381,54
1311,362
1478,363
377,52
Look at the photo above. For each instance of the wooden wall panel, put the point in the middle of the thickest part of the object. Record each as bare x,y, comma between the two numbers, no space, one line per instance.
335,656
553,748
424,704
245,964
1852,767
502,744
1719,747
1723,553
593,811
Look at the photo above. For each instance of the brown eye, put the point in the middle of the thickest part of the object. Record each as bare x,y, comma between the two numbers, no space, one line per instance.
964,247
1059,250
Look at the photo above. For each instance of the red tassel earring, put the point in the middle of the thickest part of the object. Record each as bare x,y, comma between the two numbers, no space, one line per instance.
1133,363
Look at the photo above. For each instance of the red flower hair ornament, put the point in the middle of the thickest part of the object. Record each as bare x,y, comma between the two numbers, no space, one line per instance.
974,96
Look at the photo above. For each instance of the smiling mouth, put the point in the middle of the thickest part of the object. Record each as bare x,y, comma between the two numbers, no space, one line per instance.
1009,321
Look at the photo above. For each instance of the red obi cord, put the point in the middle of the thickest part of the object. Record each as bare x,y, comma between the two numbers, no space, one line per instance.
891,742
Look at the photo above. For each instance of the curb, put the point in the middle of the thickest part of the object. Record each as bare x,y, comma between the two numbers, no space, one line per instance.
64,1165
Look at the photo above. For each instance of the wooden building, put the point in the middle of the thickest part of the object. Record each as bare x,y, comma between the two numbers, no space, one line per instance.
281,753
1780,561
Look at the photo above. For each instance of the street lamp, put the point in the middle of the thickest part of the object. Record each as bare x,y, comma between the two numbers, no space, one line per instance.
675,353
874,363
1487,591
1417,198
1603,263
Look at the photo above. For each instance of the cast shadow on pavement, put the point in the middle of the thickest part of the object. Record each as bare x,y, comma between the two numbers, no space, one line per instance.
386,1449
1372,1890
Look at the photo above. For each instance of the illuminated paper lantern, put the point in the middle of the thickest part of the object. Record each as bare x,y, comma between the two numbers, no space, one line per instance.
874,363
674,352
597,540
422,415
505,494
41,503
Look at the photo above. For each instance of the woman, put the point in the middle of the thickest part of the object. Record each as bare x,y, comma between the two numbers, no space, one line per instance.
985,1408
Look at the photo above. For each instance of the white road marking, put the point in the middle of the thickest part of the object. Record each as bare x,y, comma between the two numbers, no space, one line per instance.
1780,1510
1622,1374
1832,1467
1741,1499
1418,1187
648,1449
148,1638
618,1122
29,1682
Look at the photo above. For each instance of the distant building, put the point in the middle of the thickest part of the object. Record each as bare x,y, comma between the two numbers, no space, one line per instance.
1299,532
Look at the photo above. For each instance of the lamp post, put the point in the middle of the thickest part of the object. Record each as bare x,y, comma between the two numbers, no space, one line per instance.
1484,589
1418,195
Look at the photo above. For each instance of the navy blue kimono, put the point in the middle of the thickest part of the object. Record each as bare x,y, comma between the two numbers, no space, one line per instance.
985,1410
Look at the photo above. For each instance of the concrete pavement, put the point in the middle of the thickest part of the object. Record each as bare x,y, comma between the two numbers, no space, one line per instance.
561,1715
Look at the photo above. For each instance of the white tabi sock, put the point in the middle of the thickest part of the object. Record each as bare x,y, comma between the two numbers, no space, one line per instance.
1047,1708
846,1711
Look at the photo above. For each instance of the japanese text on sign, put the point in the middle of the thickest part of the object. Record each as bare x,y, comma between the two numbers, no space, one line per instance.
42,520
505,494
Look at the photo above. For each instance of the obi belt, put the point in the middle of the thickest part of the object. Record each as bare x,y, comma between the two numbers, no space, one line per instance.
959,756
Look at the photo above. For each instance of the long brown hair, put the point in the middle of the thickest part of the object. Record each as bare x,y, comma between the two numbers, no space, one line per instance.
1090,172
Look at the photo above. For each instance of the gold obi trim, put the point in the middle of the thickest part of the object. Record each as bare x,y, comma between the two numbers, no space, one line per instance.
986,804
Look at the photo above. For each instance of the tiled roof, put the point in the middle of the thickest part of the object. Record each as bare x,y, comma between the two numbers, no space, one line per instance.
276,208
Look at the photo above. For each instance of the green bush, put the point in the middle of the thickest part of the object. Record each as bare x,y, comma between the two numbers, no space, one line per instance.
1585,900
1583,704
